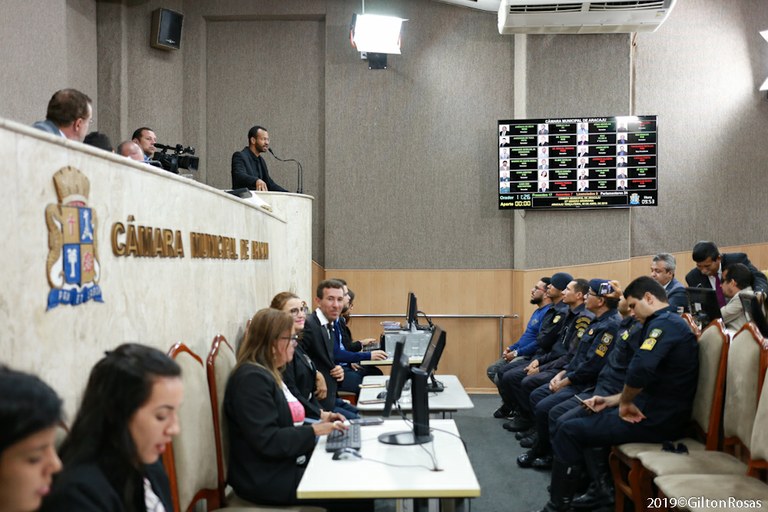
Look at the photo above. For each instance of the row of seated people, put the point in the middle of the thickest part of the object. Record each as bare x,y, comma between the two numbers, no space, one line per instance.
70,114
579,357
129,414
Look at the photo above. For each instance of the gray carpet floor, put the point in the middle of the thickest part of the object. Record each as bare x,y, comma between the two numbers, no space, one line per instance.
504,486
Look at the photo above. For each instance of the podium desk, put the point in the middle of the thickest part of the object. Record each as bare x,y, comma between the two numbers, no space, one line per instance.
390,471
452,398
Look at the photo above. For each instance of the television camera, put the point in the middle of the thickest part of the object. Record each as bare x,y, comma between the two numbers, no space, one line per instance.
180,157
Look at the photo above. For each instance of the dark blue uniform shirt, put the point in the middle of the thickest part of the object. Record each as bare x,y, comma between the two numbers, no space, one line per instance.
593,348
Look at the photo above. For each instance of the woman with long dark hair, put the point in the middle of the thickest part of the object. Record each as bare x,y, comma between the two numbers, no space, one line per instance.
128,415
29,413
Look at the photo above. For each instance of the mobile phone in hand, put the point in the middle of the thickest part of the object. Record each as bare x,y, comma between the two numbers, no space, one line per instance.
585,404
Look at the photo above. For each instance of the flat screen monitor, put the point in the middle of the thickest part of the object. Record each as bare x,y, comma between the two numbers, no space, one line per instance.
419,433
397,378
411,312
704,306
585,162
753,310
432,357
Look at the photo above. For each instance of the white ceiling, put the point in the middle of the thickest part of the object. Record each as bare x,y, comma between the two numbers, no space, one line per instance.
483,5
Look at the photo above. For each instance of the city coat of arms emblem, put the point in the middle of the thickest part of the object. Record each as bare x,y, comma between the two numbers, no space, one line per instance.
72,268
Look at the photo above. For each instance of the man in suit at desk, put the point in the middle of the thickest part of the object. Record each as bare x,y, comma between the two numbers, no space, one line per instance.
709,270
319,334
663,272
69,115
249,170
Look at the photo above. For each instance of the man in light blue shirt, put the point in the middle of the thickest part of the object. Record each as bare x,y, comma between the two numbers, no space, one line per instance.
526,345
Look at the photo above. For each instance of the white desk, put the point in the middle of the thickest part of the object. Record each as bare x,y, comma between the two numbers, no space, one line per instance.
372,477
413,361
452,398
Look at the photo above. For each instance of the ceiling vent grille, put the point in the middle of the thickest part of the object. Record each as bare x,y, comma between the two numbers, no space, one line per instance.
582,16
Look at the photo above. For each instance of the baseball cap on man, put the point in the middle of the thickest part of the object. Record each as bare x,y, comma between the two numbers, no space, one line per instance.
560,280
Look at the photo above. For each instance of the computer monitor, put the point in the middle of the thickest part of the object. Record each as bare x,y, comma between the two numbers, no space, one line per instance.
753,310
419,433
704,306
411,312
397,378
432,357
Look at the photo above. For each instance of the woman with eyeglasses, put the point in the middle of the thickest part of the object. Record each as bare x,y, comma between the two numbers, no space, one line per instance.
269,444
300,374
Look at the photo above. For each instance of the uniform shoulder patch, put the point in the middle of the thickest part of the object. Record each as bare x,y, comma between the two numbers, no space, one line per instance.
625,335
648,344
605,342
556,319
655,333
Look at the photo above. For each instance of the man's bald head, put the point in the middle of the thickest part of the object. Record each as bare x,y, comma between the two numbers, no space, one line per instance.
131,150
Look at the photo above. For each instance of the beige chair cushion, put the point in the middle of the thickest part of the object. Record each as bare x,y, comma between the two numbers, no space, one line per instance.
710,350
194,450
741,386
700,462
240,504
759,444
713,487
225,361
632,450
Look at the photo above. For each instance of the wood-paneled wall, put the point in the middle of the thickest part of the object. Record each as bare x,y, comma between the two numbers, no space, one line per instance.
472,344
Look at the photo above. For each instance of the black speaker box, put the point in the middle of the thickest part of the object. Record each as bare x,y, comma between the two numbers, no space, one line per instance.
166,29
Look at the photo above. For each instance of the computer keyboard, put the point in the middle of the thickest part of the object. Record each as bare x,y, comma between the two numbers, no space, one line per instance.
339,439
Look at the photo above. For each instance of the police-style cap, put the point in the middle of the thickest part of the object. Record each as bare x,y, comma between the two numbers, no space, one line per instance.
560,280
595,284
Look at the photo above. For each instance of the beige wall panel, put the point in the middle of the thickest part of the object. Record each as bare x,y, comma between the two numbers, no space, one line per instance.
153,300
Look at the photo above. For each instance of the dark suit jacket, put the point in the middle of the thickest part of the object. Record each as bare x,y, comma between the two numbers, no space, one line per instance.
696,279
265,448
247,168
676,295
319,348
86,488
299,376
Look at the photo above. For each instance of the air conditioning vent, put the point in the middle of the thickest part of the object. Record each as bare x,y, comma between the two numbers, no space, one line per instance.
582,16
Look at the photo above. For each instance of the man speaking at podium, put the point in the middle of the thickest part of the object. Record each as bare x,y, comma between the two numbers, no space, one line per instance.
249,170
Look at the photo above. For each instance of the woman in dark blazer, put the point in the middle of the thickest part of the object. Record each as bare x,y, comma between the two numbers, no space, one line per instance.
112,454
269,446
300,374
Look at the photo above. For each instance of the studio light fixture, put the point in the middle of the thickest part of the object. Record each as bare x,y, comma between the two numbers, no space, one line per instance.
375,36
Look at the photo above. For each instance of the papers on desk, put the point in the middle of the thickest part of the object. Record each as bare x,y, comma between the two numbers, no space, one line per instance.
254,199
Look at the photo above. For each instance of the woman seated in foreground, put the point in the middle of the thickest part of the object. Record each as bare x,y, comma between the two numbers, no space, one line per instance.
269,446
29,413
300,374
128,415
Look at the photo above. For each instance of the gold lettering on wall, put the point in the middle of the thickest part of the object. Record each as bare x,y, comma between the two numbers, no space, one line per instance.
145,241
129,239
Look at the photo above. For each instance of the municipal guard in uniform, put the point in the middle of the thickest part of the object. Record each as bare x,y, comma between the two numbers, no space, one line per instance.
579,375
655,403
519,384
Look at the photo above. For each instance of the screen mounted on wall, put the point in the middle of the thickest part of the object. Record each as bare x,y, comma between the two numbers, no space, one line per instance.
589,162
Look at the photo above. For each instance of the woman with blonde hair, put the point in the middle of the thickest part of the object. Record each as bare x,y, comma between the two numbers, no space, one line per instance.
269,444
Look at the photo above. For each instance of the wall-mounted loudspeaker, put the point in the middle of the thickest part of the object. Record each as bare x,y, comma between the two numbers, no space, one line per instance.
166,29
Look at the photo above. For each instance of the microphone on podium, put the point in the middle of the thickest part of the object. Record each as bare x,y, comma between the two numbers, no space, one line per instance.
300,185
